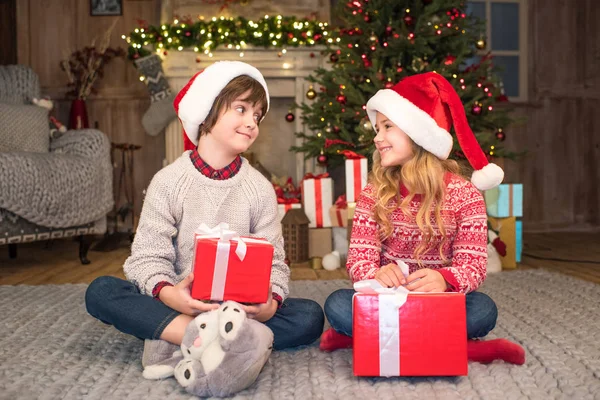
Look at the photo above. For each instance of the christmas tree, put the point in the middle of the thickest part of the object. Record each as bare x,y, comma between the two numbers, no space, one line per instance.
379,43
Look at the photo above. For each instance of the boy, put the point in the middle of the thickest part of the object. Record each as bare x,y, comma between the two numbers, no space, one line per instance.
220,109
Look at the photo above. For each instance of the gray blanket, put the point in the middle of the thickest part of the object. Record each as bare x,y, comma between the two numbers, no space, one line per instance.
69,186
51,349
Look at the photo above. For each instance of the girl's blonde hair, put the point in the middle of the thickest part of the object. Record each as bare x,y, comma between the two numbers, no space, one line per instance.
423,174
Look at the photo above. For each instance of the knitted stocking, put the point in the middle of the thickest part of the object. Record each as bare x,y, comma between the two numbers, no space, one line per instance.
161,111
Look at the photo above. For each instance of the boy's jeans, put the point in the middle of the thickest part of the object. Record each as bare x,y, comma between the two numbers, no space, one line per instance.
119,303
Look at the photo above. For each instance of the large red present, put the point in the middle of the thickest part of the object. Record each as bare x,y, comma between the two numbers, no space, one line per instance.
401,333
229,267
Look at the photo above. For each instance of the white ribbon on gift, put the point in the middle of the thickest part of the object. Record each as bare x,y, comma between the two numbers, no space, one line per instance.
225,235
390,301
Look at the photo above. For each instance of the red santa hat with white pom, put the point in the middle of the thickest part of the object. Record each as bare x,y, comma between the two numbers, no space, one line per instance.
425,106
195,100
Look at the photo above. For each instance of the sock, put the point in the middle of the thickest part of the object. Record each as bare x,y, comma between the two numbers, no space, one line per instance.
486,351
161,111
332,340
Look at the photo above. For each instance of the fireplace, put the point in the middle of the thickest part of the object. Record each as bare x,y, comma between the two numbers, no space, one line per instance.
285,74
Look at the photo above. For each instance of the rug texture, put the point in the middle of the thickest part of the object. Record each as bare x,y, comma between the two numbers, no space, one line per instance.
50,348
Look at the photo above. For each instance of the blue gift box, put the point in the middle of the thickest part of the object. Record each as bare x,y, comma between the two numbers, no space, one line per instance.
505,200
519,239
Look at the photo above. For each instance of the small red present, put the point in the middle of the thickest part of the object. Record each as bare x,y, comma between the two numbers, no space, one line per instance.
338,213
400,333
229,267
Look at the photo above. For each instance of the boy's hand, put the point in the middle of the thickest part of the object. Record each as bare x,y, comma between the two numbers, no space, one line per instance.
390,275
262,312
179,298
426,280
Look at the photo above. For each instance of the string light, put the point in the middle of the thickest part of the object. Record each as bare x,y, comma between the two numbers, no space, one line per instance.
267,32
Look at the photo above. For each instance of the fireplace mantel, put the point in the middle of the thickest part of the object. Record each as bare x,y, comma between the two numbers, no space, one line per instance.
285,73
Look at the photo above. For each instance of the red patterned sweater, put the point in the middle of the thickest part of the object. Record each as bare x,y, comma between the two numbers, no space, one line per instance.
465,219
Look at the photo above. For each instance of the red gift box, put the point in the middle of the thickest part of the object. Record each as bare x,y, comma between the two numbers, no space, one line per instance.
424,336
229,267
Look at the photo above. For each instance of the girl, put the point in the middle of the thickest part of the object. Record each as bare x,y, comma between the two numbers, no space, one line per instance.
418,209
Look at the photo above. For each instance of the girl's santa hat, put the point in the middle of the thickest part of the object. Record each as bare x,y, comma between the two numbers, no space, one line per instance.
425,106
194,101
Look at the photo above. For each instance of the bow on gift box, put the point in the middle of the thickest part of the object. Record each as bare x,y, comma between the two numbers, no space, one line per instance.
287,200
319,176
224,234
341,203
350,155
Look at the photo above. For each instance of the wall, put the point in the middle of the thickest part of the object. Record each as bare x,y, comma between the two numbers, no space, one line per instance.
561,171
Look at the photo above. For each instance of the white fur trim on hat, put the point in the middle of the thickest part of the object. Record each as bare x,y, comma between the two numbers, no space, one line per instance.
416,123
197,102
487,177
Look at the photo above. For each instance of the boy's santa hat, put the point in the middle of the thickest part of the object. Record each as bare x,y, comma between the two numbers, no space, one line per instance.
194,101
425,106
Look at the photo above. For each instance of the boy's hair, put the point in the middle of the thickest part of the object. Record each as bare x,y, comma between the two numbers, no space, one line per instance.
423,174
234,89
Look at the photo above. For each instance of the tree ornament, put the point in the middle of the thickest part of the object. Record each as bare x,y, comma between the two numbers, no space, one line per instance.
418,64
388,30
341,99
290,117
367,63
311,94
336,129
373,38
449,59
332,261
367,124
333,58
322,158
500,135
389,85
367,18
480,44
409,20
476,110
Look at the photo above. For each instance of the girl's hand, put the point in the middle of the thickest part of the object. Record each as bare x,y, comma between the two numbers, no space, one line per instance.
179,298
426,280
390,275
262,312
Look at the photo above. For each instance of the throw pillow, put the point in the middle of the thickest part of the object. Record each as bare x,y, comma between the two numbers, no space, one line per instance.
24,128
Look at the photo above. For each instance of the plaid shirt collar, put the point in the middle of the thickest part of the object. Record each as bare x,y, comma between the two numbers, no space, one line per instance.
227,172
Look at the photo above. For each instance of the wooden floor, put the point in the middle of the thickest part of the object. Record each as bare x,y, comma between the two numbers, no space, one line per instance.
575,254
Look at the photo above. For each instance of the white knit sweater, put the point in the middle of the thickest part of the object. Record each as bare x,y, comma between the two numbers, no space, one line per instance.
179,199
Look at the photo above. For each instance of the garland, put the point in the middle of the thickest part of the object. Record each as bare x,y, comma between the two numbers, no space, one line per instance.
206,36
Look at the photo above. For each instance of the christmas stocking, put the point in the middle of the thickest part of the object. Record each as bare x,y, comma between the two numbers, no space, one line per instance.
161,111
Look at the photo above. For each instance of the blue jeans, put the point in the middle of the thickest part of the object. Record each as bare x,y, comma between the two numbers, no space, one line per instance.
481,313
119,303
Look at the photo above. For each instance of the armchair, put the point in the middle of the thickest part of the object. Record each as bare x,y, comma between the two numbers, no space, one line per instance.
50,188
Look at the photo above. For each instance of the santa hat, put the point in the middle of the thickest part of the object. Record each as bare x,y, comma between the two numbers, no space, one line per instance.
425,106
194,101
